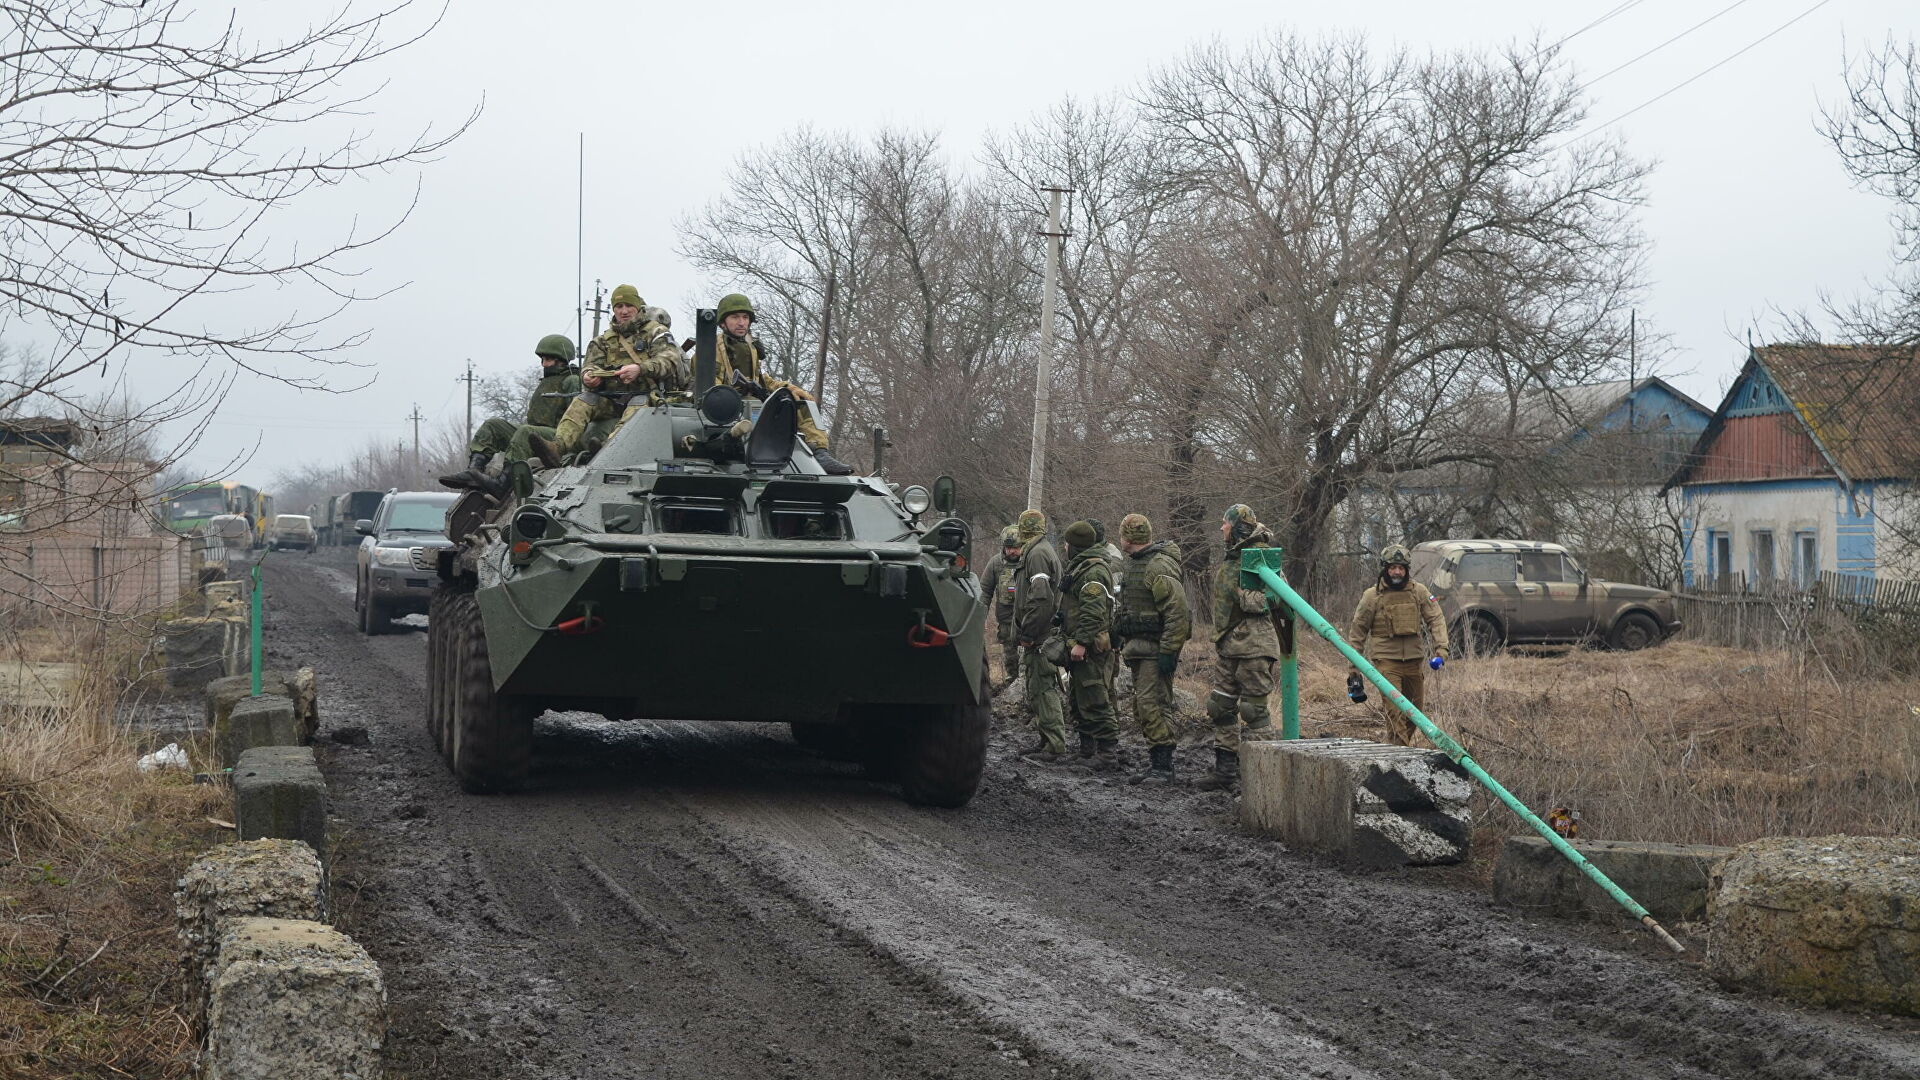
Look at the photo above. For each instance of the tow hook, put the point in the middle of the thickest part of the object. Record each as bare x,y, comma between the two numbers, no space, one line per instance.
587,623
922,636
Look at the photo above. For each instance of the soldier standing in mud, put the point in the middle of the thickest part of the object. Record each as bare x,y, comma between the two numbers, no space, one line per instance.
1153,625
999,577
1086,624
1246,645
1036,603
1386,630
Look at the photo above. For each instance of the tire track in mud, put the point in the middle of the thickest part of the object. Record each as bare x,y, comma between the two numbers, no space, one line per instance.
710,901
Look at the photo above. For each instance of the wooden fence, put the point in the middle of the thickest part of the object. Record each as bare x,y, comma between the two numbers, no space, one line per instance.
1776,614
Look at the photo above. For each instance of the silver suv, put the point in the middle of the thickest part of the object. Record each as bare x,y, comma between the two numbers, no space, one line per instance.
399,549
1528,592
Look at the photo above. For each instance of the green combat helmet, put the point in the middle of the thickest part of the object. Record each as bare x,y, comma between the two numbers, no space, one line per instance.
557,346
1010,536
731,303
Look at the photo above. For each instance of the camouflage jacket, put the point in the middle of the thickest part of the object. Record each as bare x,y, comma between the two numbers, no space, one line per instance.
1153,614
1000,576
1242,618
543,411
641,342
1086,600
748,357
1036,596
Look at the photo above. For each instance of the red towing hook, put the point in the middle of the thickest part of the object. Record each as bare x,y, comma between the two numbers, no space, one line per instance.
583,624
923,636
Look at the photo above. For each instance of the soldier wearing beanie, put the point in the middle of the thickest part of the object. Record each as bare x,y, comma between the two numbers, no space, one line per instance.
1246,644
1153,625
627,366
998,575
1036,604
1086,624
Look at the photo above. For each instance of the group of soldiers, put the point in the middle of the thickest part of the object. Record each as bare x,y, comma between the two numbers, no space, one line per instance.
631,365
1104,607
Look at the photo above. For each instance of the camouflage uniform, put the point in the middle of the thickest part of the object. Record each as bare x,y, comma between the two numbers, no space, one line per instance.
998,575
1036,603
1153,625
641,341
1086,621
1246,645
501,435
1386,630
746,356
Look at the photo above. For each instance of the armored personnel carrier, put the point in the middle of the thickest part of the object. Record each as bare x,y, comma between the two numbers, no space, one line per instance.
692,571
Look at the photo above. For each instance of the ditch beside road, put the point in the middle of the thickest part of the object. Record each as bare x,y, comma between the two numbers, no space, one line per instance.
710,900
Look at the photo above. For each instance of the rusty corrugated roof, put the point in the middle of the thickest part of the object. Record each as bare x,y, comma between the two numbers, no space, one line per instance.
1860,403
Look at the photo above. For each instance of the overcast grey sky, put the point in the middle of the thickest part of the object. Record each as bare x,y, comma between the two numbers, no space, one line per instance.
1748,208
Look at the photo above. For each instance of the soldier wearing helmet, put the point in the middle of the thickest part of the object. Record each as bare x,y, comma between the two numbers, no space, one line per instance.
627,367
999,577
559,381
1246,644
742,359
1386,630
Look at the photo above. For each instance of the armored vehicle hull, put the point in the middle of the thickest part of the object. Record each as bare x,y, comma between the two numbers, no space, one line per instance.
685,574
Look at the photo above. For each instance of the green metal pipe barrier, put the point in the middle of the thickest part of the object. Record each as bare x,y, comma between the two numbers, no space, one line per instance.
1261,567
1289,684
253,633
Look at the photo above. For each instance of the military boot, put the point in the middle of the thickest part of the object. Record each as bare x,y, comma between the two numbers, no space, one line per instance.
833,465
1106,756
1226,770
1041,754
1089,746
1159,768
548,453
473,477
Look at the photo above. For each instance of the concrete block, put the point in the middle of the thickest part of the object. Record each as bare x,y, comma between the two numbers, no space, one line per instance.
294,1000
1830,920
1670,880
196,650
1362,801
301,687
271,878
278,793
266,720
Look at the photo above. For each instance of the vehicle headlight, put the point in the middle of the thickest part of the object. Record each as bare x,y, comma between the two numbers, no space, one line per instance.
393,556
916,499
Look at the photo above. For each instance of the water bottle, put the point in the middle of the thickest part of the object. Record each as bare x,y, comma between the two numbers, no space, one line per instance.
1356,688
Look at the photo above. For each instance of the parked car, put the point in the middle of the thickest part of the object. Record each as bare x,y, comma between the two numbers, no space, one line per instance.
396,565
293,531
1528,592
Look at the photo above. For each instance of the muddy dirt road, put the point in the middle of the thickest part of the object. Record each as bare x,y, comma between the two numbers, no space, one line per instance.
685,900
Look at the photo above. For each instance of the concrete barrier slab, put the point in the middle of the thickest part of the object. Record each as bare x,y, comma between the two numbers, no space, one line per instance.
1830,920
278,793
294,1000
1670,880
274,878
266,720
299,686
1367,802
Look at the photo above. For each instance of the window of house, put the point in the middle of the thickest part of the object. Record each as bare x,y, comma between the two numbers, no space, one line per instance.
1806,558
1547,567
1719,556
1763,558
1486,566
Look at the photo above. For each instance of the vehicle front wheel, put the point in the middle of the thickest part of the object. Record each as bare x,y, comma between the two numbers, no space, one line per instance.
943,752
1479,635
489,735
1635,630
373,616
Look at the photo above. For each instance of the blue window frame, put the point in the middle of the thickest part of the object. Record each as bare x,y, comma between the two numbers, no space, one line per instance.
1719,555
1806,558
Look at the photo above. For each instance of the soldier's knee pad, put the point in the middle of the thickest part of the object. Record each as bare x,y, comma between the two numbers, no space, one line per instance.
1253,711
1220,709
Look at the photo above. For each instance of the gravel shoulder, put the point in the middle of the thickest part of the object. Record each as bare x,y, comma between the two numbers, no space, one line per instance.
710,900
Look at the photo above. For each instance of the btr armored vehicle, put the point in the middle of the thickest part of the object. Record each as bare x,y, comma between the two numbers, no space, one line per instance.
691,570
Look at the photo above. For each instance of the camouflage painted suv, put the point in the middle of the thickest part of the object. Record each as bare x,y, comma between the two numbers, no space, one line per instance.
1525,592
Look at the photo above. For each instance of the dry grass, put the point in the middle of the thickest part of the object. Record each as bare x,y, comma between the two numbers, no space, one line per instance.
89,850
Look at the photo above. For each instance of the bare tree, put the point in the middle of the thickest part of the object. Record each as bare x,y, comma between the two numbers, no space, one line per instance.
1876,132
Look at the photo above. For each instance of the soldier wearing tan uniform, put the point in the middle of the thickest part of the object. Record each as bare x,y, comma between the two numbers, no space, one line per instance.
999,578
628,364
1386,630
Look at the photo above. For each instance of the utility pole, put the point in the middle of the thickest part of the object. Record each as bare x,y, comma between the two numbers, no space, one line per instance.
579,241
416,418
1043,372
598,310
468,379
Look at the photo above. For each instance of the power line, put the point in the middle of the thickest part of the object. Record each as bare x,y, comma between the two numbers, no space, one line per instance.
1703,74
1618,10
1664,44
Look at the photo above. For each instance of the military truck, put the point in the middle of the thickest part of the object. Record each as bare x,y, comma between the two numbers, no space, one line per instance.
689,570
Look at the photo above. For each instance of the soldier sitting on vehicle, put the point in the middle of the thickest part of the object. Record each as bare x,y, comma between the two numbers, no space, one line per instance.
559,381
740,362
628,365
1386,630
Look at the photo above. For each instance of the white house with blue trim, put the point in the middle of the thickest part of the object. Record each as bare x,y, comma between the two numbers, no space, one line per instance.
1805,468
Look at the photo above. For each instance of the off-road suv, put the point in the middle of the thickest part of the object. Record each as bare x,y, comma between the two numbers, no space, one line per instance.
1527,592
402,542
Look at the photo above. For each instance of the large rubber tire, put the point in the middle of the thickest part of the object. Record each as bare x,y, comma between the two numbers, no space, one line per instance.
373,620
489,734
1477,635
1635,630
437,667
942,754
